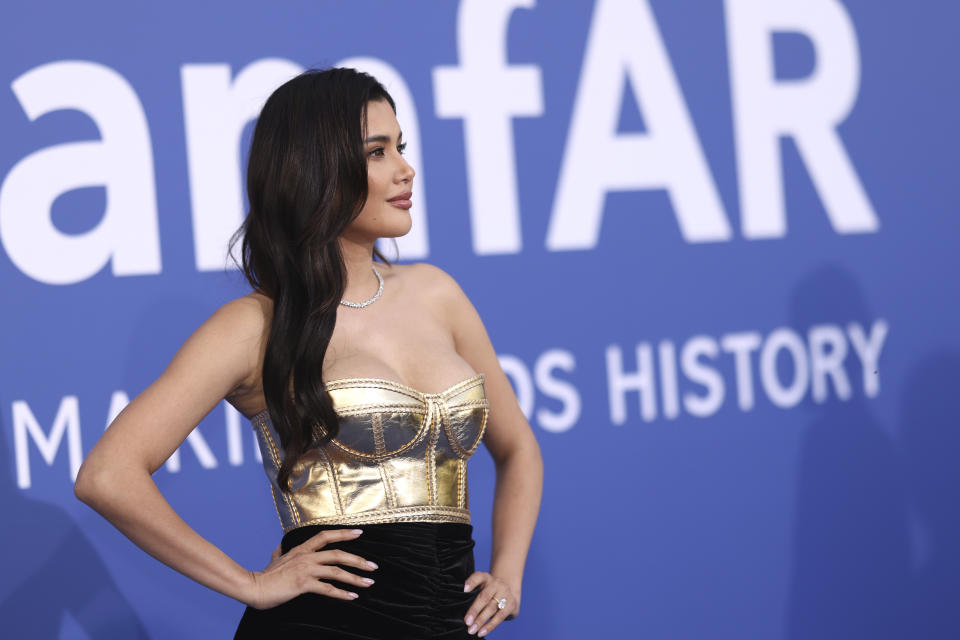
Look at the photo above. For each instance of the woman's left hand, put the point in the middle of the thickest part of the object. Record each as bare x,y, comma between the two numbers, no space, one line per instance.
484,614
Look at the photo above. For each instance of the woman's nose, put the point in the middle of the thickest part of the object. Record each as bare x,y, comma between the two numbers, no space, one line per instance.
406,172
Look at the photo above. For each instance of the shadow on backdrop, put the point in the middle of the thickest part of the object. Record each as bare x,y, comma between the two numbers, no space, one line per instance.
51,569
851,547
931,446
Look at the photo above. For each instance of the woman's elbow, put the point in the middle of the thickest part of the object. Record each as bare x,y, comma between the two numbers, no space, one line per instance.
92,482
83,485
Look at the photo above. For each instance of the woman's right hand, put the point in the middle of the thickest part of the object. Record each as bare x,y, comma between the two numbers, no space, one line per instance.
303,568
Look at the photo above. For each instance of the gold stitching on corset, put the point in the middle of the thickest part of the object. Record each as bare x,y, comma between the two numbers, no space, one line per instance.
273,492
432,451
380,447
469,403
362,409
332,472
258,426
482,431
436,513
374,383
275,455
376,421
463,384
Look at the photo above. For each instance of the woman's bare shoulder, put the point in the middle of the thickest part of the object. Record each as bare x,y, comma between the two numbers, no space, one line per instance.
428,278
240,327
249,314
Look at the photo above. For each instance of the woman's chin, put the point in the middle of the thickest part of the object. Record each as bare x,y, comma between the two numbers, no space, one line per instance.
397,230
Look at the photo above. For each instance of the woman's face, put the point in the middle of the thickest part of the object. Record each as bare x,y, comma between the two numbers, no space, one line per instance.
386,213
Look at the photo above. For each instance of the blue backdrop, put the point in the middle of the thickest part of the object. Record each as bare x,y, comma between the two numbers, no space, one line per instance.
713,242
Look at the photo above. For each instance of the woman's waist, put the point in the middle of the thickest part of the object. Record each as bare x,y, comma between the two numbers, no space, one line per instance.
409,542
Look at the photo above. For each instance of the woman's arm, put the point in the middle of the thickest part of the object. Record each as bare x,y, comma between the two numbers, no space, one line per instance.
115,479
515,453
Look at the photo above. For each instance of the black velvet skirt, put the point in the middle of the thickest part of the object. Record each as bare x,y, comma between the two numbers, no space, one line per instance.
418,591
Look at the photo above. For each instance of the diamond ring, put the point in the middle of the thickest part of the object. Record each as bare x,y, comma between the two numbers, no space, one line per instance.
501,603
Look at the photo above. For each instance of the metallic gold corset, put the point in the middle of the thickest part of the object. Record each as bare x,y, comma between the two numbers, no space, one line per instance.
401,455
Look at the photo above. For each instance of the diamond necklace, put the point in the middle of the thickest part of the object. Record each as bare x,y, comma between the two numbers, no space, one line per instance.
361,305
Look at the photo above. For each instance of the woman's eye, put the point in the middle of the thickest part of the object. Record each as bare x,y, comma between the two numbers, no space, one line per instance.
402,147
376,153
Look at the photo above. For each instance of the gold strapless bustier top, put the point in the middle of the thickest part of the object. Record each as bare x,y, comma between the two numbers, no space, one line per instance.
401,455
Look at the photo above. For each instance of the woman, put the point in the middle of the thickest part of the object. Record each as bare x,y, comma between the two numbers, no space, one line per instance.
368,386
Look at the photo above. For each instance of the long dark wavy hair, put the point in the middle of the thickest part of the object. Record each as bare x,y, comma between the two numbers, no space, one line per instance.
306,181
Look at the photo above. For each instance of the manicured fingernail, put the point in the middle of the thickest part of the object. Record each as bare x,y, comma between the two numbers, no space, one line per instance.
482,633
372,565
367,580
469,621
466,588
353,595
356,531
472,629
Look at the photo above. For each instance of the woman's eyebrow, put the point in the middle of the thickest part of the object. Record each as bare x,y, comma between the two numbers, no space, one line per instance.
383,138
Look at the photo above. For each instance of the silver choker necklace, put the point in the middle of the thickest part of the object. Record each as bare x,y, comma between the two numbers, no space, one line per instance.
361,305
